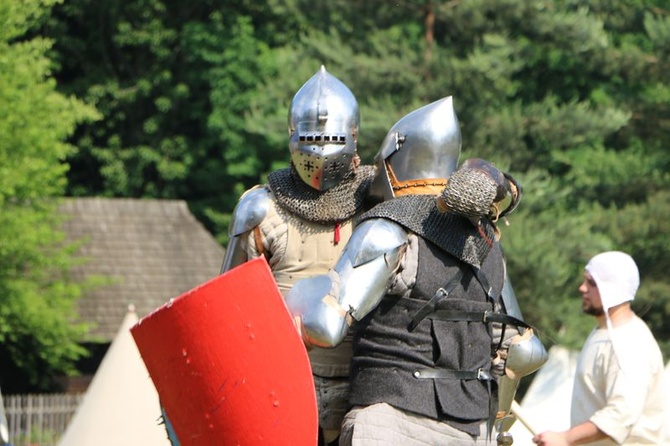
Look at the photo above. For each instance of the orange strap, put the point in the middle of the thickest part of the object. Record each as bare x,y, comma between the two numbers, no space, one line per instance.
258,239
423,186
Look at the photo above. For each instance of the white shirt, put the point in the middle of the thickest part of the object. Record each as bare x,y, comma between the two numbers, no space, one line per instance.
619,386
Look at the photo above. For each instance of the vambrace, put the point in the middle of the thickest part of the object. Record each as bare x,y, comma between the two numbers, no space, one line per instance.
249,213
524,356
521,354
327,304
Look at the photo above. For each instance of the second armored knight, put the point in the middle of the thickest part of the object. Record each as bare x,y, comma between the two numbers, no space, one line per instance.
301,220
423,283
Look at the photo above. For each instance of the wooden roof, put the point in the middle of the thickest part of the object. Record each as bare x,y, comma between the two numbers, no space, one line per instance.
153,250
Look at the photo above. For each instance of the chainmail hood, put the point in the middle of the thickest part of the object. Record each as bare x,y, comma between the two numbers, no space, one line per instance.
338,203
452,232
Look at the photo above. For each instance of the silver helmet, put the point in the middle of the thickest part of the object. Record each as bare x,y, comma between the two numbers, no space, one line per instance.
323,127
423,145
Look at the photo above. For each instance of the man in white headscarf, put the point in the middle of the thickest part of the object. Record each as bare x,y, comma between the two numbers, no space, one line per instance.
618,396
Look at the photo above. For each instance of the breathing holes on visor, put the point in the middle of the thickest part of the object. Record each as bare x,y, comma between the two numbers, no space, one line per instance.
337,139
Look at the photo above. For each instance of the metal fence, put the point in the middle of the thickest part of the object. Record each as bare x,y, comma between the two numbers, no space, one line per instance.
39,420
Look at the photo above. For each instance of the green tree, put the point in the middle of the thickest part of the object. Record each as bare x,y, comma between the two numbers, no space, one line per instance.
37,298
174,81
569,96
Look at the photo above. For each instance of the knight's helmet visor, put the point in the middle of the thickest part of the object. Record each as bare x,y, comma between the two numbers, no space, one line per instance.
323,127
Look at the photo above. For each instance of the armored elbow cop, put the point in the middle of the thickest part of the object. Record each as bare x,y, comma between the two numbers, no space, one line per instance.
328,303
480,190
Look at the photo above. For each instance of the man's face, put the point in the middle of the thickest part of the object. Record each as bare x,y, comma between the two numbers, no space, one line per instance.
591,303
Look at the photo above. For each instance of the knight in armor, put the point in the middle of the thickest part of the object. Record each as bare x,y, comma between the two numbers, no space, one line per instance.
302,218
439,340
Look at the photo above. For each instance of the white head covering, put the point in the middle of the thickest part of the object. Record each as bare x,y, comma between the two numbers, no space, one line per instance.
617,277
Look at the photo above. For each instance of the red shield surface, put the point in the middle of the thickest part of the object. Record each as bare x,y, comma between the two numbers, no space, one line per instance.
229,365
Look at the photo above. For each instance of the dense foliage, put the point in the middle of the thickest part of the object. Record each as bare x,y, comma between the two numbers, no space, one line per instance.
37,337
571,97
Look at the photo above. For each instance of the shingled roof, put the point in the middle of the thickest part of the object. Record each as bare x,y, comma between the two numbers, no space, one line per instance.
153,250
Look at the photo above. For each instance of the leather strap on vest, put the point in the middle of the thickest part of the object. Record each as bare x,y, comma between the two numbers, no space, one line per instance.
258,239
440,294
481,375
429,311
433,373
470,316
481,278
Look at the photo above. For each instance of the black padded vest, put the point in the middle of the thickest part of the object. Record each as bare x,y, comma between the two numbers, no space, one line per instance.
393,363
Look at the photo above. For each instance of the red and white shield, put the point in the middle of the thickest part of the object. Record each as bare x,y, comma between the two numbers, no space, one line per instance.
229,365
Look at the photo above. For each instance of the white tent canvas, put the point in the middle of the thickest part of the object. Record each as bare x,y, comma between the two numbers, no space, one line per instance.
121,405
4,427
546,404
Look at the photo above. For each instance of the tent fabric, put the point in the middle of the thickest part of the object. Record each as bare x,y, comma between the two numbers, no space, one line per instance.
4,427
546,404
121,404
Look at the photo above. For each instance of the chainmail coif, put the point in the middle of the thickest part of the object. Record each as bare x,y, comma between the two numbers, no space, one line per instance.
451,232
336,204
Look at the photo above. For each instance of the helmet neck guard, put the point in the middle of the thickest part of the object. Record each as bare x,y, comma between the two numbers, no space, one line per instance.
334,205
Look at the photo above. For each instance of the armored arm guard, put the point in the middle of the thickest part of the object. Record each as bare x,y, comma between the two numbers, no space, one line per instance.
327,304
250,211
523,354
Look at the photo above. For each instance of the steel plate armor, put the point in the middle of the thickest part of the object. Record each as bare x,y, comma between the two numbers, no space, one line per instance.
249,212
425,144
323,127
326,303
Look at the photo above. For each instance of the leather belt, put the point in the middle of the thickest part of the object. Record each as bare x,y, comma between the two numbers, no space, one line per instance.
432,373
